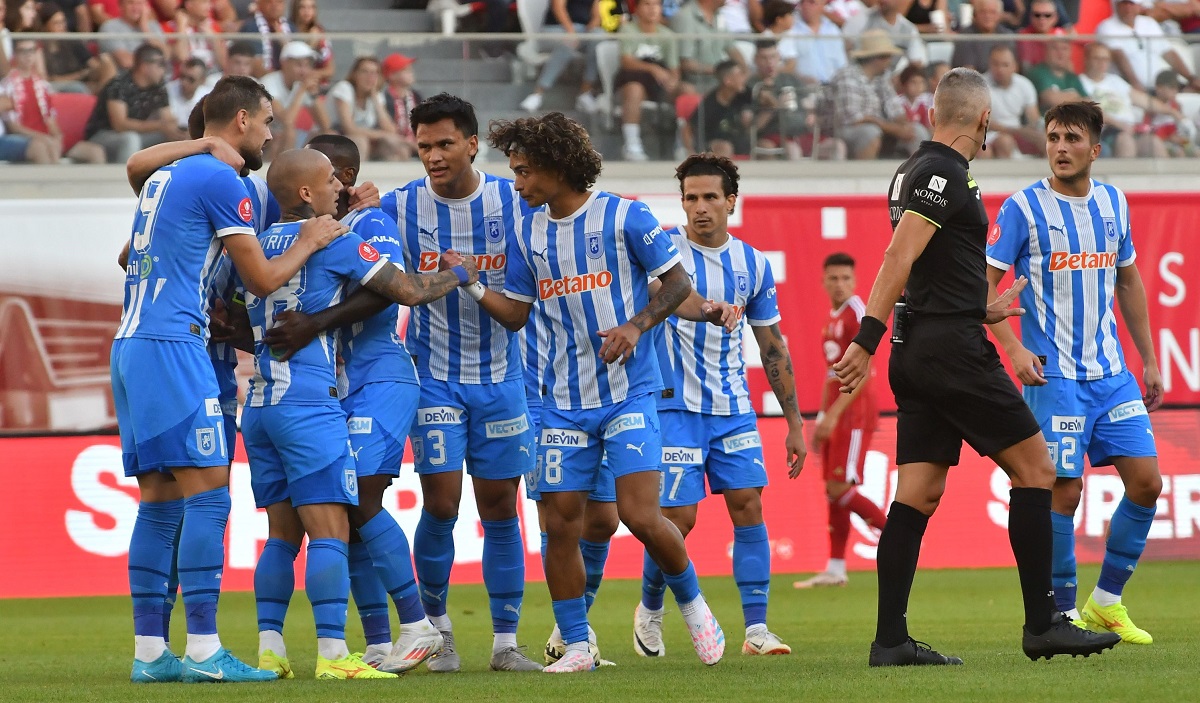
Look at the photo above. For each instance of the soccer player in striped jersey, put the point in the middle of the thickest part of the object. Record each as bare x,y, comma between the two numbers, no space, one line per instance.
1070,236
844,424
164,388
297,438
584,257
707,417
472,405
379,390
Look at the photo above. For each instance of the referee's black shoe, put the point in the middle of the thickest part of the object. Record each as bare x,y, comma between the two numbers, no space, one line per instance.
1065,638
910,653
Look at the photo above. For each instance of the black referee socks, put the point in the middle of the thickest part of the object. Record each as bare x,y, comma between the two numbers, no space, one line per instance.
1031,536
896,562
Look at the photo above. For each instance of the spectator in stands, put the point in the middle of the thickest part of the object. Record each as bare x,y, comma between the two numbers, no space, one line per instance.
1043,19
226,15
1016,126
135,18
18,148
740,16
31,114
186,90
1124,133
294,89
776,99
241,60
1013,15
267,19
195,19
1183,14
855,105
985,22
928,16
358,111
304,21
1138,42
133,111
1055,78
1178,134
840,11
915,98
819,51
573,18
885,16
934,73
22,16
778,19
6,49
399,98
649,71
76,12
722,122
70,67
698,58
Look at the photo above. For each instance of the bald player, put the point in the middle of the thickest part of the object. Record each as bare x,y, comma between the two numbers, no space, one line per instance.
301,466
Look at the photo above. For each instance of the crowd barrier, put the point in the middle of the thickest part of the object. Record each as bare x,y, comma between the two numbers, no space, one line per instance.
69,512
59,308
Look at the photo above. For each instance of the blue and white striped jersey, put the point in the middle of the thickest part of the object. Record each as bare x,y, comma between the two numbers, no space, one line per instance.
586,273
1069,248
453,338
308,378
371,349
532,343
709,371
184,210
265,209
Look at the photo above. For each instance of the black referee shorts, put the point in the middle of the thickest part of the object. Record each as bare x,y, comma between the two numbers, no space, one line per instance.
950,386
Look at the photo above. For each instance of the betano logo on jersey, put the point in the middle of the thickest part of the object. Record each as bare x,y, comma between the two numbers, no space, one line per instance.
1061,260
428,262
569,285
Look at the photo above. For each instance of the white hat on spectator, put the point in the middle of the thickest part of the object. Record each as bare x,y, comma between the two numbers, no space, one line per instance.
1144,3
297,50
875,42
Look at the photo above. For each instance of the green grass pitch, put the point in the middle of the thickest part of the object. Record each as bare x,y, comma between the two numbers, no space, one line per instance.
73,650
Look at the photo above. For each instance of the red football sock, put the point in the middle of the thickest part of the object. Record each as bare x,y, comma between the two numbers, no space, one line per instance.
863,507
839,529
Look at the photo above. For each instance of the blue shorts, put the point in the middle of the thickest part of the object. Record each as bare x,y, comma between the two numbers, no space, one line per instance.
378,418
301,452
227,386
725,448
1103,419
13,147
166,400
576,446
486,426
606,484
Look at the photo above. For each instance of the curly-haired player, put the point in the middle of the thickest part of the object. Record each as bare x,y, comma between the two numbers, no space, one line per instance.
583,258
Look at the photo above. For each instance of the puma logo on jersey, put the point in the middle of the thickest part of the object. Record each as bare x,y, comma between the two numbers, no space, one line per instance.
636,447
513,609
524,449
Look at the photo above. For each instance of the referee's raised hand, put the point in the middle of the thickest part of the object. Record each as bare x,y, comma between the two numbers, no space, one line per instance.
999,308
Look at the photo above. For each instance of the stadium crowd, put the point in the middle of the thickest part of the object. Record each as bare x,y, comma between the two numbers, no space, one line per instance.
829,79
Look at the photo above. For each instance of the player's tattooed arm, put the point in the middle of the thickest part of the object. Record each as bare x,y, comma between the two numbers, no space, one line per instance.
696,309
145,162
294,330
419,289
777,362
620,342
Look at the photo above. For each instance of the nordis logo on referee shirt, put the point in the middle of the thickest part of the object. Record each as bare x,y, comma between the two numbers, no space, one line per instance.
568,285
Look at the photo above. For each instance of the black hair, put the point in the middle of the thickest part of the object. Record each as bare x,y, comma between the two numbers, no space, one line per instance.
709,164
840,258
772,10
146,53
342,151
196,119
231,95
553,142
723,68
445,106
1084,114
243,48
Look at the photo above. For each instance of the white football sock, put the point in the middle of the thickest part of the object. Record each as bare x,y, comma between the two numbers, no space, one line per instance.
1103,598
147,648
758,630
272,640
332,648
441,622
201,647
377,650
1073,614
836,566
695,612
503,640
578,647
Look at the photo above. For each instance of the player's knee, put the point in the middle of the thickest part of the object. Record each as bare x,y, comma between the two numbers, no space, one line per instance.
600,524
1067,494
745,506
441,506
1144,488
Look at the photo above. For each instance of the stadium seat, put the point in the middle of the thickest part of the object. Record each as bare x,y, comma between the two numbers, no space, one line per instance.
939,51
73,110
532,16
1189,105
747,49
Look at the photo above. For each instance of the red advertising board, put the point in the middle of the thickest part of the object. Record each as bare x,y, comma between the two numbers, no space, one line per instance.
68,513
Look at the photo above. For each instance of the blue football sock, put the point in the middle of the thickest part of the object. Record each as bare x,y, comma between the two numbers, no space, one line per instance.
1063,574
369,595
684,585
595,554
653,584
327,582
504,572
1126,542
752,571
151,555
173,581
393,563
545,540
433,552
571,616
202,557
274,582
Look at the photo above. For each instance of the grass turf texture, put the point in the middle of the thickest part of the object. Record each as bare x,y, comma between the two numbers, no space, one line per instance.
80,649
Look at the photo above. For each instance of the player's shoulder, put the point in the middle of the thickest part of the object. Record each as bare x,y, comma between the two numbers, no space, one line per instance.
1109,190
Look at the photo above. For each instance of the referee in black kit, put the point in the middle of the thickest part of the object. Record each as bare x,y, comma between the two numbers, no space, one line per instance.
949,383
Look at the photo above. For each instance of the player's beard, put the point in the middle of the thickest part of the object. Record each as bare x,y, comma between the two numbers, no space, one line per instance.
253,158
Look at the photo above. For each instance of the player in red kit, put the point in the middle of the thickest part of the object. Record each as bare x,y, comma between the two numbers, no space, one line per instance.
844,426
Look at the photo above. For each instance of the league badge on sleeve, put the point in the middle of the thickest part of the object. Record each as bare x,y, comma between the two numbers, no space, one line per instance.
493,229
368,253
594,247
246,210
